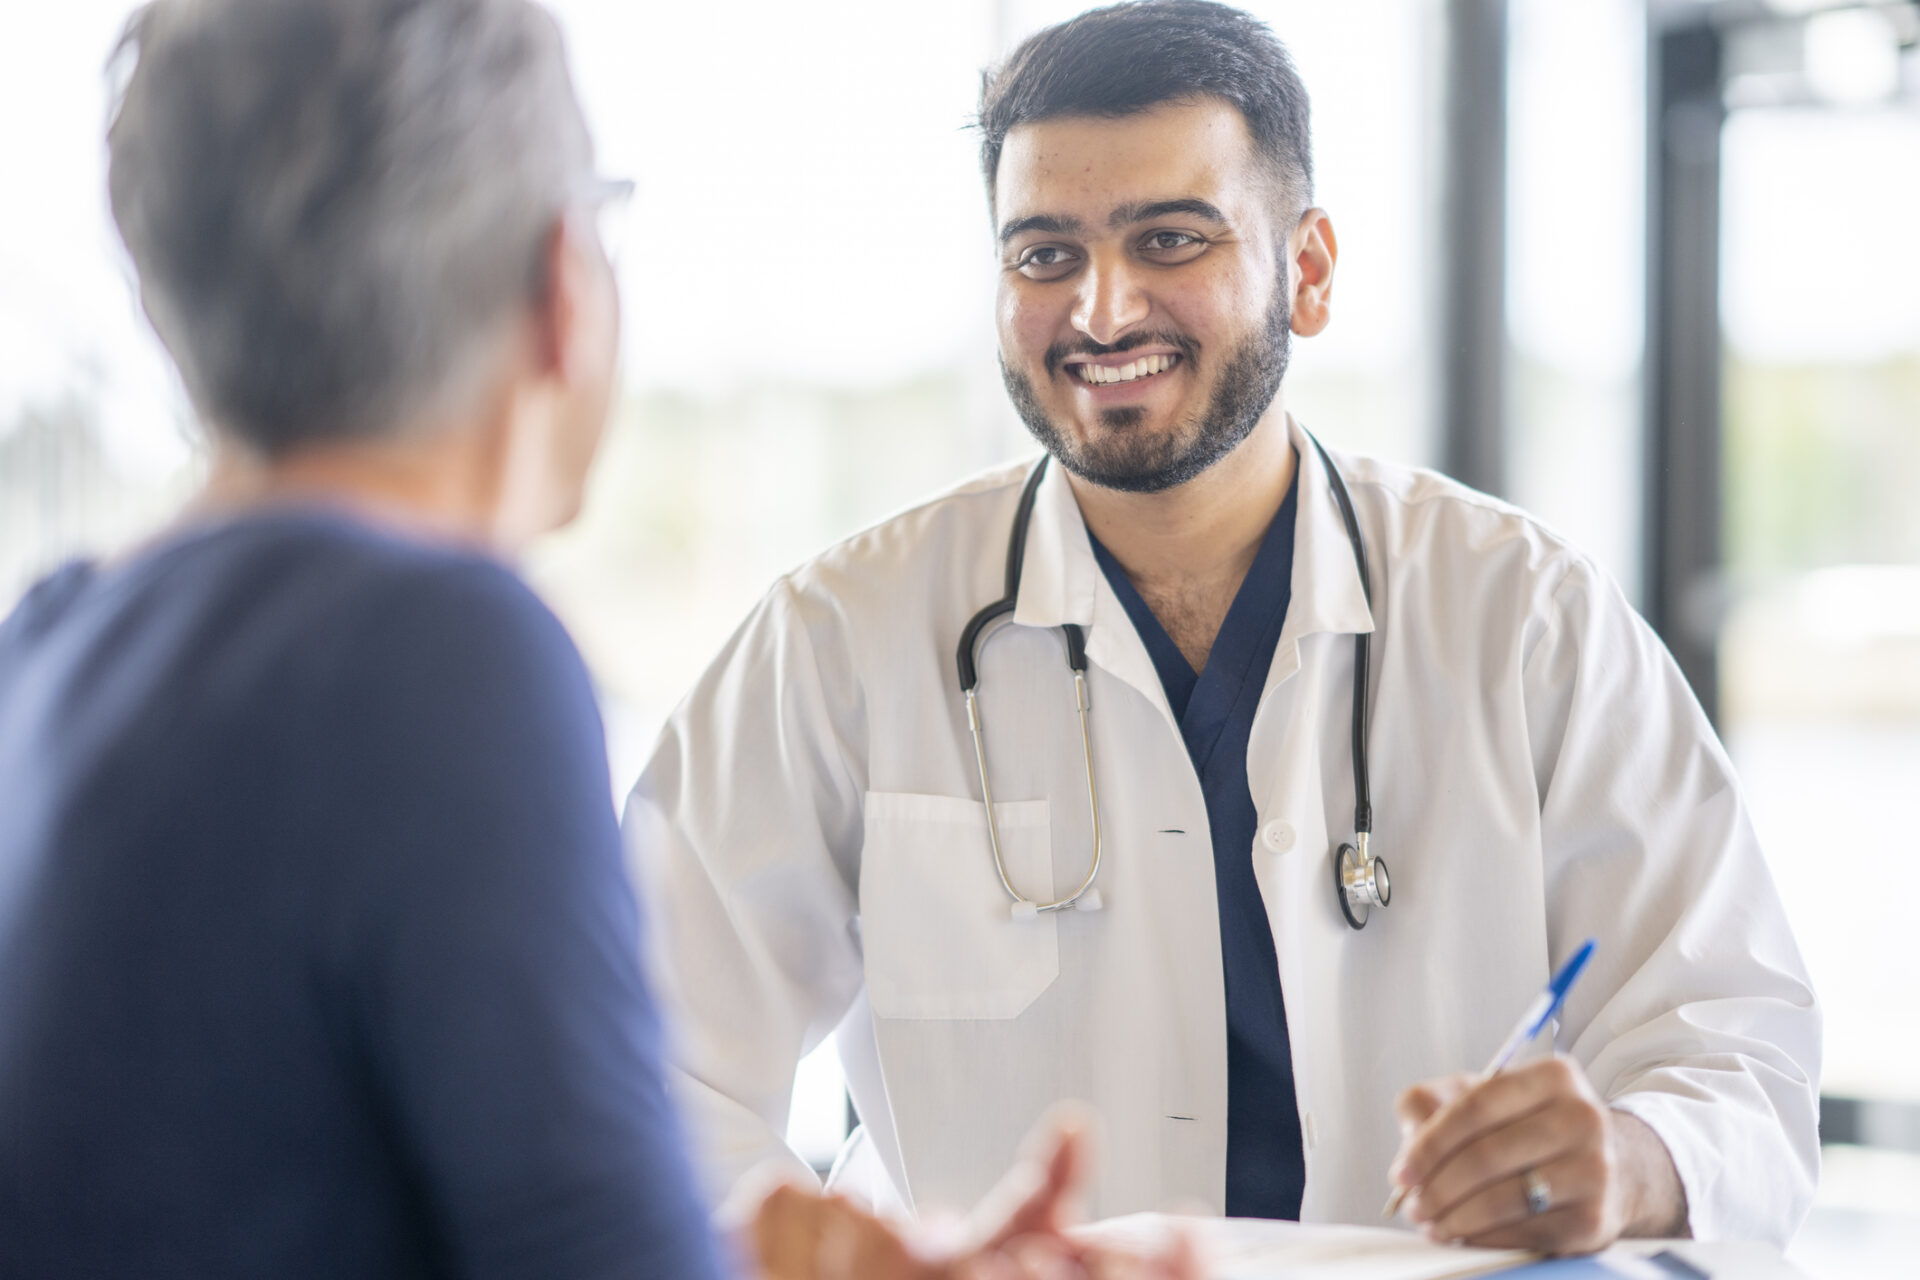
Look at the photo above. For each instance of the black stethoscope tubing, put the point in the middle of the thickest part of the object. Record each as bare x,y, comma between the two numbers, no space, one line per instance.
1016,558
1360,880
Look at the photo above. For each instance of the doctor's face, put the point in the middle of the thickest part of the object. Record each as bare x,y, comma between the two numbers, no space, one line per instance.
1143,304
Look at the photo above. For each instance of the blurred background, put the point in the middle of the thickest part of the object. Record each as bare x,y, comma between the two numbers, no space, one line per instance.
1646,267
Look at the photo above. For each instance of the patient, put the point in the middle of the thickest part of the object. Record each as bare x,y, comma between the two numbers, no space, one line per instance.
316,953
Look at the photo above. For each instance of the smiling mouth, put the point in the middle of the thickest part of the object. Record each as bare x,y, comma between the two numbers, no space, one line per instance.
1133,371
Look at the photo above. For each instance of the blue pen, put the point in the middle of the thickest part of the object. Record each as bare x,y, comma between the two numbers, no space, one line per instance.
1538,1014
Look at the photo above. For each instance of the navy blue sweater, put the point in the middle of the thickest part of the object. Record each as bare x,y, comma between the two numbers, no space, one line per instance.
317,955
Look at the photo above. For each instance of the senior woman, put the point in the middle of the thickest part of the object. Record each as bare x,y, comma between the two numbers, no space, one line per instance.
317,954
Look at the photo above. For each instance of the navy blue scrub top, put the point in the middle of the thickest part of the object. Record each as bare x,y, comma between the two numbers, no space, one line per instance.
1266,1166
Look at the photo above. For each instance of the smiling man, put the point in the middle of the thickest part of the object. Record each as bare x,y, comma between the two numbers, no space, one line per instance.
1097,854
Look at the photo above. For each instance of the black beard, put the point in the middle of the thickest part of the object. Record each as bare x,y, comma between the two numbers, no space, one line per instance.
1135,462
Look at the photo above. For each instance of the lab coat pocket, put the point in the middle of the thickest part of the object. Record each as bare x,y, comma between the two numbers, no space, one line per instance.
939,933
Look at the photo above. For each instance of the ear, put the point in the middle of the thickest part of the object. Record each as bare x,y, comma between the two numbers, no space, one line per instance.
569,311
558,392
1314,250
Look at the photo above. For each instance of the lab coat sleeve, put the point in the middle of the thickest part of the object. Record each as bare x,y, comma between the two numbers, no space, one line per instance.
744,833
1697,1016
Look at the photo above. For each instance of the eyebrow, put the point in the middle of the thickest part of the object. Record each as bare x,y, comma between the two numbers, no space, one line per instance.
1146,211
1125,215
1041,222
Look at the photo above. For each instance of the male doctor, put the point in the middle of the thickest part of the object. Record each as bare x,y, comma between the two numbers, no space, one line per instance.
822,862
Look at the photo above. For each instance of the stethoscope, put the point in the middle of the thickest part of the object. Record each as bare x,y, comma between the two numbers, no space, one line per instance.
1360,880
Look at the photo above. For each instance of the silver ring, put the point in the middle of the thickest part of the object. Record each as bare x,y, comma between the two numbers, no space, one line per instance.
1539,1194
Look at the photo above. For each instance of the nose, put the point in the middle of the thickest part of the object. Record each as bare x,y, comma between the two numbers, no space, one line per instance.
1110,300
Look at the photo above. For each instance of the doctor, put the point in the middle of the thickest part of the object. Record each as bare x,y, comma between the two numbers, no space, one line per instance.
822,862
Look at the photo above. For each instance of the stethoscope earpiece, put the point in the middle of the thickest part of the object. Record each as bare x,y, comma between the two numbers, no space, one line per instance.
1087,900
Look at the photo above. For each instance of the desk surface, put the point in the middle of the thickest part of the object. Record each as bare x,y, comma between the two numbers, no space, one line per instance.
1257,1249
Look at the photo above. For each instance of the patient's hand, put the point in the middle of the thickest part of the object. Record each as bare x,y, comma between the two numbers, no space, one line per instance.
1018,1231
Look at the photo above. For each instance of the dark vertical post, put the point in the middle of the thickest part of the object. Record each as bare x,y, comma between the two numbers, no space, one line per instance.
1685,115
1473,244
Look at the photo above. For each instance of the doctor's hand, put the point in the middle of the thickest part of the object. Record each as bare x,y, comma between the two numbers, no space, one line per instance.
1532,1158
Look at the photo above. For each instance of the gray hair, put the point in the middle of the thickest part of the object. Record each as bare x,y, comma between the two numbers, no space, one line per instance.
335,206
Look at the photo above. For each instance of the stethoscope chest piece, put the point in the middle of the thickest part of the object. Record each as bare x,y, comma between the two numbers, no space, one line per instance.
1360,881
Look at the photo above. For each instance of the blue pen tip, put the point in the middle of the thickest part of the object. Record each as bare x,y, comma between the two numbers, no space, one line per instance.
1573,967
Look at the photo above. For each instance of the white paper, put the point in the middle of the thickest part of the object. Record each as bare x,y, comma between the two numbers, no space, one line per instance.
1260,1249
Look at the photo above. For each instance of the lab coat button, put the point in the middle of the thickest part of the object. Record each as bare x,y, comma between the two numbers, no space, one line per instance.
1278,836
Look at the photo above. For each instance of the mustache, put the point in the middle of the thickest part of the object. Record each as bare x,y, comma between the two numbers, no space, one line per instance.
1057,353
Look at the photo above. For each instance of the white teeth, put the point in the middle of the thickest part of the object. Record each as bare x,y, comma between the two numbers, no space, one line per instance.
1145,366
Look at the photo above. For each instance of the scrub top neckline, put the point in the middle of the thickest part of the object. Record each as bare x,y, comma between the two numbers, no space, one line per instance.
1203,701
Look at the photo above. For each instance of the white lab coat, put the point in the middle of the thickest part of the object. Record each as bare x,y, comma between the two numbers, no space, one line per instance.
814,856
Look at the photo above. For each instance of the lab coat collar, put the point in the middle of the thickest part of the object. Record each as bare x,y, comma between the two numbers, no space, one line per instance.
1061,582
1059,577
1327,593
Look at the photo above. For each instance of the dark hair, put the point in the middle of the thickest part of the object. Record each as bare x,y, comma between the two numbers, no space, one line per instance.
1127,58
336,206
